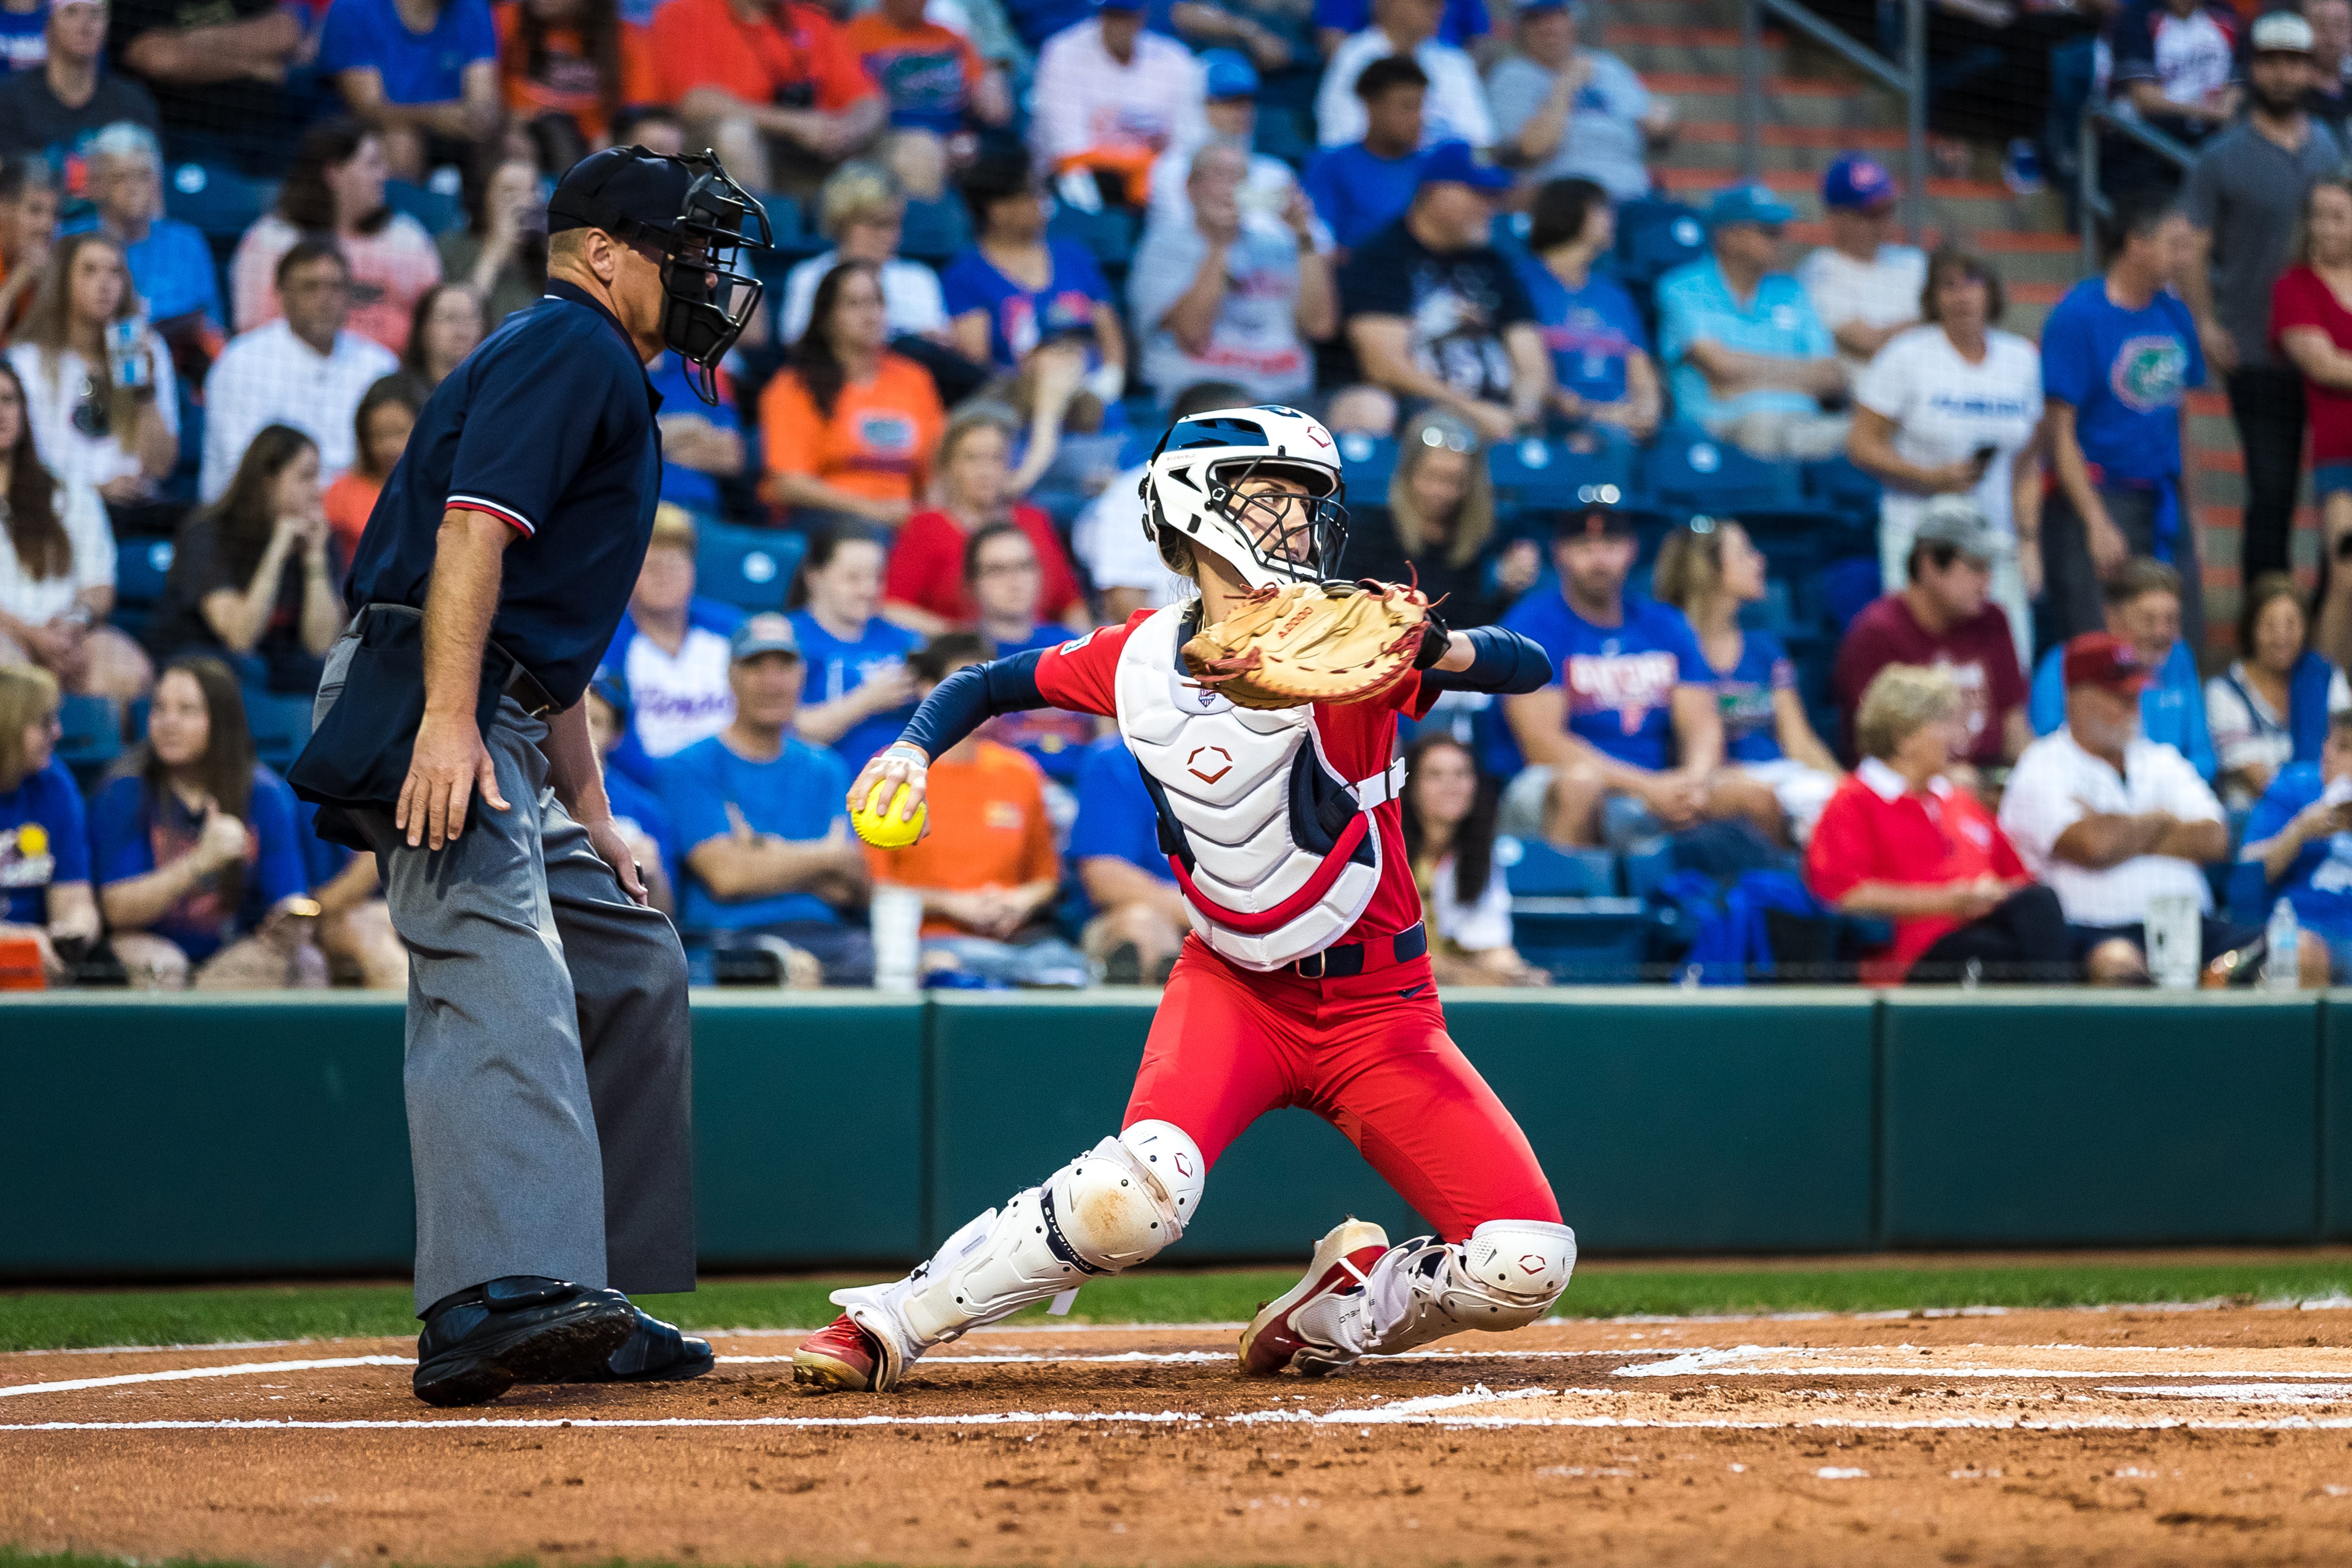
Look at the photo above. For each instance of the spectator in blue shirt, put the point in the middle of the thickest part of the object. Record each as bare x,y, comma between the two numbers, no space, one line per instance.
2301,834
1140,921
2119,356
442,82
637,811
1601,364
1360,189
760,814
702,443
198,858
24,35
172,266
1630,712
1015,290
1002,575
43,842
1746,355
860,694
2142,607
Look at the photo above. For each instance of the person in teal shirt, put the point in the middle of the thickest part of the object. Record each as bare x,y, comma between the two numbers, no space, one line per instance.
2142,606
1746,356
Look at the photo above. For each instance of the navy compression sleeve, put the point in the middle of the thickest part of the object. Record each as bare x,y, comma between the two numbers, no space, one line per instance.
971,697
1501,661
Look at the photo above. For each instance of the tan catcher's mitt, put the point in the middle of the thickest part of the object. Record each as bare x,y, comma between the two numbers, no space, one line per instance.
1310,642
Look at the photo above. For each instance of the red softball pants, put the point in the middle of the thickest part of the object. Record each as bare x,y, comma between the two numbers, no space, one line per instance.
1368,1053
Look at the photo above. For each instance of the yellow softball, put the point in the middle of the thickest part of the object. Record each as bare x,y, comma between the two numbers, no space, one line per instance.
886,830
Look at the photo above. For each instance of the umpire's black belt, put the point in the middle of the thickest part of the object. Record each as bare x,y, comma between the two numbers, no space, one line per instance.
517,682
1351,959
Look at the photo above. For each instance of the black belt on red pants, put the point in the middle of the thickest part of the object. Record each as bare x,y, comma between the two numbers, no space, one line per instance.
1352,958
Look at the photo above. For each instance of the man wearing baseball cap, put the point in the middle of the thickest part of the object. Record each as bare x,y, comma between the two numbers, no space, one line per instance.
1229,117
1621,745
1864,286
1745,355
1562,111
2112,820
2244,198
757,816
1436,315
1944,615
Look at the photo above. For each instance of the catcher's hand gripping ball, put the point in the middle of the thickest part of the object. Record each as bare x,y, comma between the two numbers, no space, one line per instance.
1316,642
881,826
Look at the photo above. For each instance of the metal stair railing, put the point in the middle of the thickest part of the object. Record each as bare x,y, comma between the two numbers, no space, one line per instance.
1908,78
2090,203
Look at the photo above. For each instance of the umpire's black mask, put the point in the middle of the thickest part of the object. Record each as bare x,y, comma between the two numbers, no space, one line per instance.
699,219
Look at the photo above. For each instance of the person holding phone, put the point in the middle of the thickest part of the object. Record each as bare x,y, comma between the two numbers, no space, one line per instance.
1953,406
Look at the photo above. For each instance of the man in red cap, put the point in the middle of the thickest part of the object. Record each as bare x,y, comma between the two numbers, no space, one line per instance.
2112,820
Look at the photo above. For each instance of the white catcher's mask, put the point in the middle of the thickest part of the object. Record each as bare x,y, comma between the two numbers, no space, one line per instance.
1192,488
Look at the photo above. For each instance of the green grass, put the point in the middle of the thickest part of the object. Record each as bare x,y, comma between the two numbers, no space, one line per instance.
63,1320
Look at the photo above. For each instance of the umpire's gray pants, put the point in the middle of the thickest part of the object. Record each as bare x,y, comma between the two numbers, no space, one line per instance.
547,1074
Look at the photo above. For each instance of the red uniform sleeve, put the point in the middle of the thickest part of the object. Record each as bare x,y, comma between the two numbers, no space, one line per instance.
1839,856
1077,675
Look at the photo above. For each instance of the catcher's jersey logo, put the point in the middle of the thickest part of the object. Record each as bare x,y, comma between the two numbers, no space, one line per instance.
1219,758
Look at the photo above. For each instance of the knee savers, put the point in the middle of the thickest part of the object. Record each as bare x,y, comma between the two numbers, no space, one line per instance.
1109,1209
1506,1276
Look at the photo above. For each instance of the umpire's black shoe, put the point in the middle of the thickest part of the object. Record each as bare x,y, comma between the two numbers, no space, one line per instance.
657,1352
524,1328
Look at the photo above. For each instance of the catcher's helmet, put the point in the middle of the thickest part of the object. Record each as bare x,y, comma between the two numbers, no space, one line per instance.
1194,485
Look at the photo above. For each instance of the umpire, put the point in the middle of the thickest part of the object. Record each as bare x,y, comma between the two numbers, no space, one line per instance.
547,1071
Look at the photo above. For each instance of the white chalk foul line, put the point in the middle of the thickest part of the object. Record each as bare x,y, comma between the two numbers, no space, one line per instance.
182,1374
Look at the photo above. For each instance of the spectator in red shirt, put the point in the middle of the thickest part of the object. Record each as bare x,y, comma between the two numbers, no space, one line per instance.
1944,617
925,590
757,77
1899,842
2313,328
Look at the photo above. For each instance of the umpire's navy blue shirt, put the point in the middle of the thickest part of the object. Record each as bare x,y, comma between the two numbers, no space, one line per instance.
548,426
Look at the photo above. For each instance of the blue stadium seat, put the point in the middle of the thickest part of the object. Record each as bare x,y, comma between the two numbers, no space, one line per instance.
1367,464
216,198
2249,901
1847,588
1108,234
750,568
1582,942
935,230
1533,869
140,567
1590,466
1646,869
1688,471
1654,237
1837,484
280,725
91,734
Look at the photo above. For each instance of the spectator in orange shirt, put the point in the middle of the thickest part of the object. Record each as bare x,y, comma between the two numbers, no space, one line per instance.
756,77
850,429
986,869
386,415
572,57
936,82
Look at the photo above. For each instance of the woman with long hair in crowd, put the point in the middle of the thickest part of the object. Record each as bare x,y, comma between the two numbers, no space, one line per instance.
858,692
99,416
387,413
863,210
925,585
335,190
1449,810
57,569
44,892
253,576
1435,527
1776,772
501,253
197,855
851,427
2270,707
2311,321
447,325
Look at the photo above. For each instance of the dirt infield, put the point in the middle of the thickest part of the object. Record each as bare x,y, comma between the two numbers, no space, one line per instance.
2127,1436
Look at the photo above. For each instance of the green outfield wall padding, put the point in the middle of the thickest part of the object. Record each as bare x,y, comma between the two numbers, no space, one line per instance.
2108,1120
153,1137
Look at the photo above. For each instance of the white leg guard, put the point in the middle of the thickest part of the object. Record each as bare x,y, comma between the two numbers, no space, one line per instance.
1506,1276
1111,1208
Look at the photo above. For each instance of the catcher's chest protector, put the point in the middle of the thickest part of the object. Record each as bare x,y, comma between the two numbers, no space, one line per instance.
1276,853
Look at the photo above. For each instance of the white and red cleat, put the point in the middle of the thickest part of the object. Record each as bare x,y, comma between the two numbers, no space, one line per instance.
839,1358
1290,1332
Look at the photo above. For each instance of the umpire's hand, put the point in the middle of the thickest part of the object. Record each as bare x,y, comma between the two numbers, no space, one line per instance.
447,765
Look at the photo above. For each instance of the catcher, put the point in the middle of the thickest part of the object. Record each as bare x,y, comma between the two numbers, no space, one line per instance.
1266,744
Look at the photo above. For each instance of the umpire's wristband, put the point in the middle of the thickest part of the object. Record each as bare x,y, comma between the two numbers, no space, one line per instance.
1435,638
